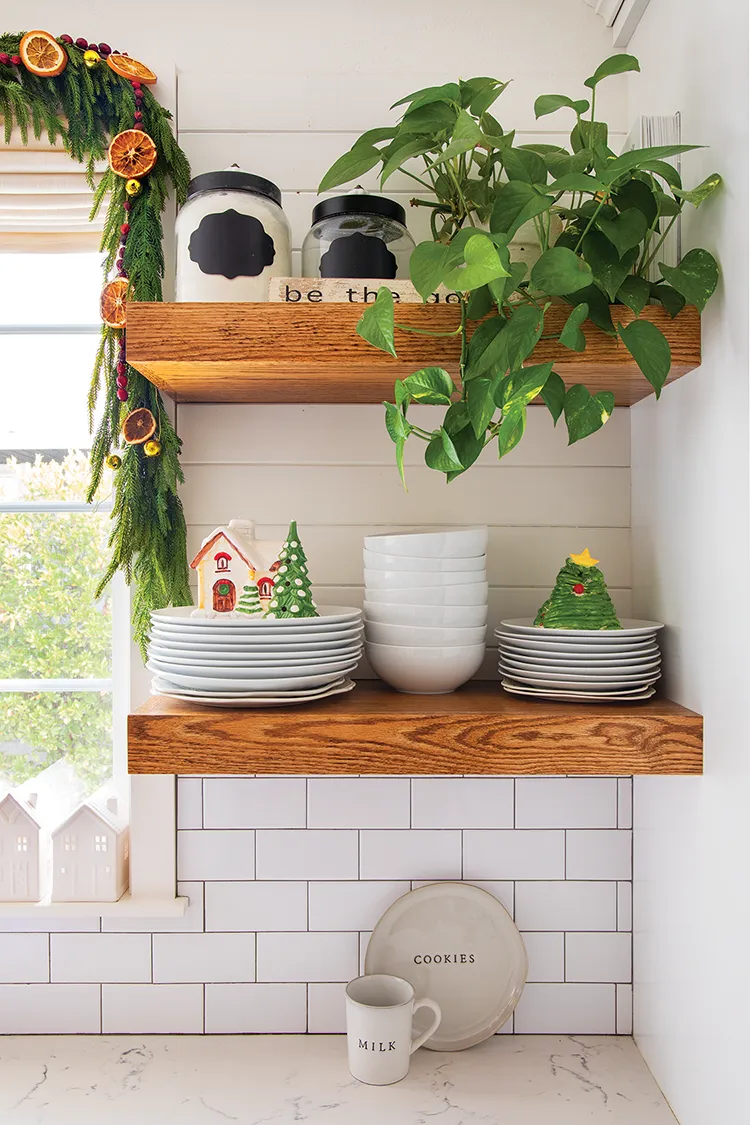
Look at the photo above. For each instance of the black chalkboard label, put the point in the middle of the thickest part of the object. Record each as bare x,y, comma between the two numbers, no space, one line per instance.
358,255
231,244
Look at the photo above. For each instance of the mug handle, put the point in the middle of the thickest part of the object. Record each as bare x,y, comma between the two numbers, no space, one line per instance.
420,1039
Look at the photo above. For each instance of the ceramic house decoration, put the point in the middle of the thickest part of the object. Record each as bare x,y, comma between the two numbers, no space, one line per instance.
24,850
90,853
230,559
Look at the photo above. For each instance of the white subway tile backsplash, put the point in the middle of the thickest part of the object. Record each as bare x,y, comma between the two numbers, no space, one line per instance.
358,802
152,1009
307,854
214,958
256,1009
256,906
566,802
565,906
546,953
462,802
189,802
566,1009
84,958
625,802
625,906
412,854
254,802
507,854
190,921
326,1009
24,958
598,854
502,891
307,957
213,854
598,957
50,1009
624,994
351,905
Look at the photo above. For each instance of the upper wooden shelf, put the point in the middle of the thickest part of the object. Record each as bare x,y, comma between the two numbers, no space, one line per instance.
311,353
479,729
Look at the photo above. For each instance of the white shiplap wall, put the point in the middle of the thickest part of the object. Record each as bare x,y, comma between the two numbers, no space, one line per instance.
273,929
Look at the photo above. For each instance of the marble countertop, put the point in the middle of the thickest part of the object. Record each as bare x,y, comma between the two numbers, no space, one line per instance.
281,1079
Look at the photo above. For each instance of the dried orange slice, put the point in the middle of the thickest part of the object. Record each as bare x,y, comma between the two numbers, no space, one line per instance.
112,303
42,54
132,154
131,69
139,425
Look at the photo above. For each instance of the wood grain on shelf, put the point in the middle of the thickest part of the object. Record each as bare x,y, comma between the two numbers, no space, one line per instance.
479,729
311,353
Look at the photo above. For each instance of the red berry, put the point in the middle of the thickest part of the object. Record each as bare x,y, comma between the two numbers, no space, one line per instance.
126,205
137,124
579,589
122,380
138,115
16,60
66,38
82,43
125,228
122,394
4,59
121,369
136,84
105,49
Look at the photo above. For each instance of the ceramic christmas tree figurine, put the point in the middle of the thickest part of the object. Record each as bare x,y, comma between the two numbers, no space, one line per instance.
249,602
292,596
580,599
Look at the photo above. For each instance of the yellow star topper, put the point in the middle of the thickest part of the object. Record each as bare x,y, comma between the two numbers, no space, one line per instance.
584,559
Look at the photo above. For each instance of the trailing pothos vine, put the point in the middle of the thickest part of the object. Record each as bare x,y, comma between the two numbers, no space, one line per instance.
98,104
600,221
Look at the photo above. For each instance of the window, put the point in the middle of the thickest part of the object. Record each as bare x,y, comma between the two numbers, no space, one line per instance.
22,844
100,843
56,671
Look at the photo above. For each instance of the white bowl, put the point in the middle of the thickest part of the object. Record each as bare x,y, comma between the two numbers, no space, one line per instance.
458,543
376,561
473,594
402,579
431,615
419,636
425,671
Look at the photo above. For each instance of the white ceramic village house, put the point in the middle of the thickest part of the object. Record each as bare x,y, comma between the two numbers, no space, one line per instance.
90,853
231,558
24,849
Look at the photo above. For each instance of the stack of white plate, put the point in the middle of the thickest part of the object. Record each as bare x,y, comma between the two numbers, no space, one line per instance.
426,607
238,661
593,664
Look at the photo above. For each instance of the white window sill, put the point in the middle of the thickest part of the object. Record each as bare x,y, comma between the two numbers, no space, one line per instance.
126,907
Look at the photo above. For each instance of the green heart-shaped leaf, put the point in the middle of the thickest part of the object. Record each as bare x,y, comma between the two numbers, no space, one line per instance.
560,271
553,394
376,323
482,264
550,103
696,277
699,194
626,231
650,350
356,162
571,335
586,413
634,292
426,267
615,64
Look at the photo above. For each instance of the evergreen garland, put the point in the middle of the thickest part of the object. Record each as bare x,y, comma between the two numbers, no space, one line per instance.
84,108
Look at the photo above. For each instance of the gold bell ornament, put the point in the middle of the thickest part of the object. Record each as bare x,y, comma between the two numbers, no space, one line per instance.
152,448
132,187
113,461
91,59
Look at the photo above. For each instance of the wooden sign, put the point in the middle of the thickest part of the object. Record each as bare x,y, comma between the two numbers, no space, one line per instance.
350,291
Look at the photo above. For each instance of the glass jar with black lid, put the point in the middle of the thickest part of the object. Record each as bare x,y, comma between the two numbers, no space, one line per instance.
357,235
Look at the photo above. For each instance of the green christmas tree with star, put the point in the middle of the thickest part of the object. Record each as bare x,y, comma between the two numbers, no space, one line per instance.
250,602
292,593
580,599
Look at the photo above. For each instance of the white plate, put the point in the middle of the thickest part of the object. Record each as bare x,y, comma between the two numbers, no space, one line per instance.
327,615
606,686
180,645
376,561
531,674
227,637
631,627
258,672
405,579
617,667
288,699
160,682
593,697
546,642
481,982
269,685
453,543
187,655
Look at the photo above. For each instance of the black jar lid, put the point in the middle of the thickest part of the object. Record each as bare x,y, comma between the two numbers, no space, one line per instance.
359,205
234,179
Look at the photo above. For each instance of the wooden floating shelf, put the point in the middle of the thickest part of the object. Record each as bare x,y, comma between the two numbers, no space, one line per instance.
311,353
479,729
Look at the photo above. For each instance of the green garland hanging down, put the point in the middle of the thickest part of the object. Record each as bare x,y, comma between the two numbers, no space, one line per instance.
98,104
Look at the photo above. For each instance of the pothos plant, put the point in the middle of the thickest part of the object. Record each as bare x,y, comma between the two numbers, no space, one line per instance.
600,221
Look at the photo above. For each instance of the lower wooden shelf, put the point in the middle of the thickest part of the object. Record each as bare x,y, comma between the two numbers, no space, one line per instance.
479,729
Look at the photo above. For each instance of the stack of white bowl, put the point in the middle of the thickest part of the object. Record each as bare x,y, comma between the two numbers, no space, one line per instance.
426,607
230,660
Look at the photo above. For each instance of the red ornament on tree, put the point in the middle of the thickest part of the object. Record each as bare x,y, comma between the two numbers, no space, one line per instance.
579,589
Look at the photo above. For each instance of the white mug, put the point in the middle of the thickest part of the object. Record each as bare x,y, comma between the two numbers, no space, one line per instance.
379,1016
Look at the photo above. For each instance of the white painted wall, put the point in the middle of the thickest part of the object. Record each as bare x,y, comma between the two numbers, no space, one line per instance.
690,544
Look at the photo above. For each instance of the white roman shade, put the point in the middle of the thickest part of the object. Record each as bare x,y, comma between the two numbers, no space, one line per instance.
44,200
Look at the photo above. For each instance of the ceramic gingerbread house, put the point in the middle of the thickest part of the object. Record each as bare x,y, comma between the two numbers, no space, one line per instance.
230,559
